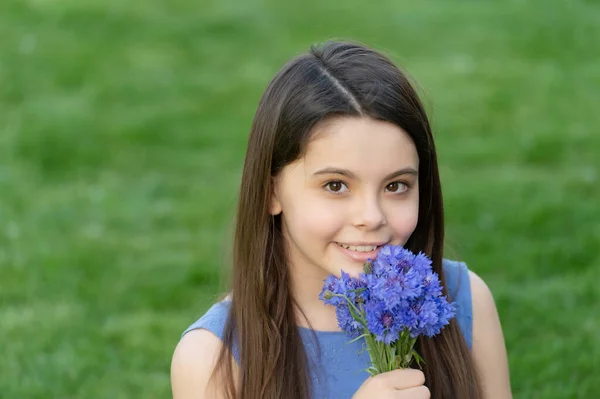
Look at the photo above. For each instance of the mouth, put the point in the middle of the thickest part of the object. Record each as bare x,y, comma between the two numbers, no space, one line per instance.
362,252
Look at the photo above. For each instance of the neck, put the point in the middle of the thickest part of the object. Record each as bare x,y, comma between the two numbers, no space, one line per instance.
306,286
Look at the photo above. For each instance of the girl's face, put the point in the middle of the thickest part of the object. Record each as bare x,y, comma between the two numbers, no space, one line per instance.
355,189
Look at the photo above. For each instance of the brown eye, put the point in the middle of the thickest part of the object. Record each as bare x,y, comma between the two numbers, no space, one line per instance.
335,186
397,187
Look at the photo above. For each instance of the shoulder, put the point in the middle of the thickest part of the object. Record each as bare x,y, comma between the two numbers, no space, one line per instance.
489,350
193,363
484,304
486,321
213,320
196,354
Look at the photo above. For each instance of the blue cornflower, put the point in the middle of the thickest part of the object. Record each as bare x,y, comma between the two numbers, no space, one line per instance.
421,263
408,316
431,284
331,287
446,311
399,296
382,322
346,322
433,314
354,289
427,313
391,258
397,283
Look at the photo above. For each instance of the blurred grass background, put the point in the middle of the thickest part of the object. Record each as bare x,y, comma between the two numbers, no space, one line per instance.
123,127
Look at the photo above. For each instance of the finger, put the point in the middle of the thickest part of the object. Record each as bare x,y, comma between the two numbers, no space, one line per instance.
403,378
421,392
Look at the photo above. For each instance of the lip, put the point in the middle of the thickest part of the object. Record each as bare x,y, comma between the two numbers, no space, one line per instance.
360,256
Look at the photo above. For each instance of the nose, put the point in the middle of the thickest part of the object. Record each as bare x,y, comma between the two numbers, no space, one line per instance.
369,213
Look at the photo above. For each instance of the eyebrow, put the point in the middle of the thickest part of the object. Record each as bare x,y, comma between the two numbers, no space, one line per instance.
350,175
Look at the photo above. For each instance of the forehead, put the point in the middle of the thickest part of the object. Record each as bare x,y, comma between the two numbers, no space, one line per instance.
360,144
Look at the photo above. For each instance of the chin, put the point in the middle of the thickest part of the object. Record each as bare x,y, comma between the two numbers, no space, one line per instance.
351,268
354,272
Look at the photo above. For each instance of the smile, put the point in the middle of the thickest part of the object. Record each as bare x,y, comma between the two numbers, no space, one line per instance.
360,248
360,253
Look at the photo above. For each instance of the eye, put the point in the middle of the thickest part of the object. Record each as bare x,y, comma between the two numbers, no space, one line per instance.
335,186
397,187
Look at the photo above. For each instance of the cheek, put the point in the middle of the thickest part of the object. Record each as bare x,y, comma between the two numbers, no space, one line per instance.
404,220
323,220
313,219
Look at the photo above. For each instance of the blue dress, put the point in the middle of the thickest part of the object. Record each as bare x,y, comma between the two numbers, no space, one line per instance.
338,367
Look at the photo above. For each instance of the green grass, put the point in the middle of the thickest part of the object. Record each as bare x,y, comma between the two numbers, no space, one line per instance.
123,127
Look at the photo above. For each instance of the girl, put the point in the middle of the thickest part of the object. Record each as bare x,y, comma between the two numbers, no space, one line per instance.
340,161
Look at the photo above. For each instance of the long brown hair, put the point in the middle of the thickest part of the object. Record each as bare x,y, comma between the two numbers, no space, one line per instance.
334,79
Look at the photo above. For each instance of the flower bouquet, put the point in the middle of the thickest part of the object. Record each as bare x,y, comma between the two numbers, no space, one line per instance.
397,299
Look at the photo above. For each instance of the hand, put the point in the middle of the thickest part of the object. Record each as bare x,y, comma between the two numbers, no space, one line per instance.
396,384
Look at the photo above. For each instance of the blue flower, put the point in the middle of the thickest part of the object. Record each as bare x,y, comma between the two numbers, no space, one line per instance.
353,289
347,323
398,292
432,314
408,317
427,313
392,258
421,263
397,282
331,288
356,288
383,322
431,284
446,312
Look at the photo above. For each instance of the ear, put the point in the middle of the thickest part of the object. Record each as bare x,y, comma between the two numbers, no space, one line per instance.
274,203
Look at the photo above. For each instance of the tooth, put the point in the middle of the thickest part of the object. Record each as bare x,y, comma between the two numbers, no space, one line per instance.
360,248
